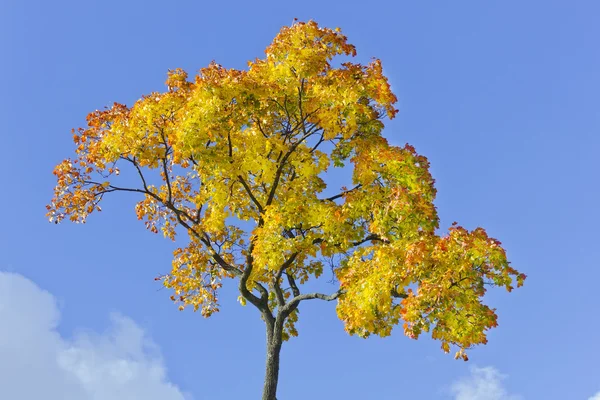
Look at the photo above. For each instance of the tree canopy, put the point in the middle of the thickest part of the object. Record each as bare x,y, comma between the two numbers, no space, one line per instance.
232,165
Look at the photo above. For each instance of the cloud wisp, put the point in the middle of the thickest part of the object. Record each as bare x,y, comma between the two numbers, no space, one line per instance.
36,362
483,384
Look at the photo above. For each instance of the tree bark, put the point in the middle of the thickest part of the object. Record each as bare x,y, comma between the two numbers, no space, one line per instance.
274,342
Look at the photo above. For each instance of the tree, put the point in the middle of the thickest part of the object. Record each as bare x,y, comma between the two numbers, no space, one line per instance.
235,161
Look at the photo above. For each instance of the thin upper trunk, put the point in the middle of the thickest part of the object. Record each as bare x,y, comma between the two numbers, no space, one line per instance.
274,342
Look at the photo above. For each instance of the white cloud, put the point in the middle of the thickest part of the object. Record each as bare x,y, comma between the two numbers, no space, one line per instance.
37,363
595,397
482,384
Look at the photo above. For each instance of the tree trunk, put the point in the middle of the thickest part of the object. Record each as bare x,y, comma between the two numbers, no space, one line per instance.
272,368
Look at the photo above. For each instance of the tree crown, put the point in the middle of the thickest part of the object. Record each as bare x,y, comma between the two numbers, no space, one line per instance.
236,160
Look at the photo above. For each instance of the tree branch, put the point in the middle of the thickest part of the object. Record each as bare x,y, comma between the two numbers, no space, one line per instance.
204,238
337,196
370,238
294,302
293,285
165,169
249,191
262,302
277,278
282,164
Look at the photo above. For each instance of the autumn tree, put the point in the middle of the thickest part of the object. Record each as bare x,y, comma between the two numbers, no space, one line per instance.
232,164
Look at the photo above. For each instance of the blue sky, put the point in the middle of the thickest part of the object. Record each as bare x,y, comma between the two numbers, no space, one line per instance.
501,96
